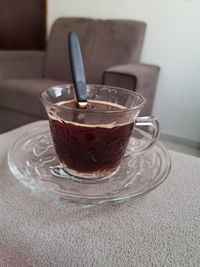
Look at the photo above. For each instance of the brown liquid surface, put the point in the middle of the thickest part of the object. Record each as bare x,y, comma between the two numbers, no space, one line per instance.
93,105
90,149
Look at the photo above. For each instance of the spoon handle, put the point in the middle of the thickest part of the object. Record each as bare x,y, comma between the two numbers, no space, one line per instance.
77,69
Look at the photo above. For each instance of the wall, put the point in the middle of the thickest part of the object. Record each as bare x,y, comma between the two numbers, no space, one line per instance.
172,42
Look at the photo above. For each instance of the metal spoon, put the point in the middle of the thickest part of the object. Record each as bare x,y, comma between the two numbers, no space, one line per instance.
77,69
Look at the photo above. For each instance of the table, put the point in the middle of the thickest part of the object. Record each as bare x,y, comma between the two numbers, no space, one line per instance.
161,228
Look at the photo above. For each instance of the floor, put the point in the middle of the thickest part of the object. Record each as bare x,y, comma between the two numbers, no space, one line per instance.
180,145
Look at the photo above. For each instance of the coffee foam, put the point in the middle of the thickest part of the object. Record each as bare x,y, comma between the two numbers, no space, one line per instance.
107,125
104,103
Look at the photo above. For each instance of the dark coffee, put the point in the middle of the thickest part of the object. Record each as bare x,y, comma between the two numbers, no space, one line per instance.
90,148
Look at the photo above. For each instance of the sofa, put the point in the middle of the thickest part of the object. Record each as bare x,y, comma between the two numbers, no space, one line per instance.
111,51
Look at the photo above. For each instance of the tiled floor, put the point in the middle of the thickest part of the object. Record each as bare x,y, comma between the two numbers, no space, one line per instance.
179,146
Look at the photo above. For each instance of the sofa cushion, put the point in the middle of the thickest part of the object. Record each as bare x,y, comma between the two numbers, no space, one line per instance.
23,95
104,43
10,119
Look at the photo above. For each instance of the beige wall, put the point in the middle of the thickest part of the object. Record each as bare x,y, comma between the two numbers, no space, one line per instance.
172,41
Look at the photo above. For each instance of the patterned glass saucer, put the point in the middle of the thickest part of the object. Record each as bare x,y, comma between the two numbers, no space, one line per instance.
33,161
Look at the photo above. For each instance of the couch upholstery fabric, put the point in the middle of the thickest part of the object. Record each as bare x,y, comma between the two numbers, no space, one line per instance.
104,43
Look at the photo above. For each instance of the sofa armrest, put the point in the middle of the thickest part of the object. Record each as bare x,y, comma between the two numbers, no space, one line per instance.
138,77
21,64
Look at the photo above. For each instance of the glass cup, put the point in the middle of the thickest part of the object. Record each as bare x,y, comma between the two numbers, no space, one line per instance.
90,143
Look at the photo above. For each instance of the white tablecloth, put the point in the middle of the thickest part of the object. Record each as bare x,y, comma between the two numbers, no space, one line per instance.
161,228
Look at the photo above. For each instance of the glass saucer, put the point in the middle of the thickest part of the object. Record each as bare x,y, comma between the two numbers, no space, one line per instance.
33,161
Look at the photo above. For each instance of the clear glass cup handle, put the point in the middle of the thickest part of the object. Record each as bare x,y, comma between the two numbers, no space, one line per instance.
152,122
